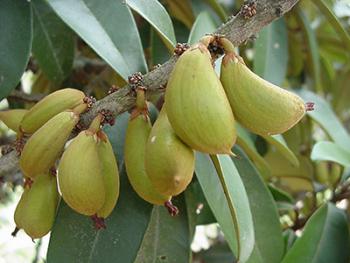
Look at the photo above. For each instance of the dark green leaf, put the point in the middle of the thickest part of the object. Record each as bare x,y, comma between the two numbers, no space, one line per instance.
167,239
157,16
325,238
53,42
329,151
228,200
271,52
109,28
280,195
15,42
204,24
264,212
324,115
218,253
74,239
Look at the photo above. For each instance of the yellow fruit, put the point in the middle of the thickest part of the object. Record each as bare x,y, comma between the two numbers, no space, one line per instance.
35,213
80,175
197,107
44,147
169,162
12,118
257,104
137,133
50,106
110,175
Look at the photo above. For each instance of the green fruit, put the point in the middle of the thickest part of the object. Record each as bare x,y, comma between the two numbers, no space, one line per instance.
169,162
257,104
137,133
197,106
110,175
50,106
80,175
35,213
12,118
44,147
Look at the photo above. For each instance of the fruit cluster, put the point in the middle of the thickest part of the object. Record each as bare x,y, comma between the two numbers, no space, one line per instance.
198,114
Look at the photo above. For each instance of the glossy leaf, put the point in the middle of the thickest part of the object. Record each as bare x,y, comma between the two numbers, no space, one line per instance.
204,24
271,52
109,28
281,146
329,151
74,237
167,238
333,20
325,238
15,42
324,115
157,16
264,212
53,42
228,200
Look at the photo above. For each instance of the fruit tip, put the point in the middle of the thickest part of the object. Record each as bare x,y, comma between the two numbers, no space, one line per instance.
99,222
14,233
172,209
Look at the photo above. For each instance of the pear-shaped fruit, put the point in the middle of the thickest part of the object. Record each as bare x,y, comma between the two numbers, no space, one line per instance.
50,106
36,210
197,107
110,175
137,134
12,118
44,147
80,175
169,162
257,104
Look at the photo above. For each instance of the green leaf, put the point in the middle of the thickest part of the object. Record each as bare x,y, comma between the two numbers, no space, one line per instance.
329,151
220,11
247,144
264,212
279,195
333,20
167,238
15,42
312,48
109,28
53,42
157,16
324,115
280,144
271,52
73,236
228,200
324,239
204,24
218,253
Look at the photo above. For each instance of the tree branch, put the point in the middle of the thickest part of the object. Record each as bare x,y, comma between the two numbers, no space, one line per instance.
237,29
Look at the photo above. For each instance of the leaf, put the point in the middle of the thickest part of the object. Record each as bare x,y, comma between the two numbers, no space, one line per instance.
329,151
281,146
109,28
324,115
53,42
279,195
325,238
312,48
167,238
204,24
264,212
218,253
333,20
74,239
230,204
220,11
271,52
247,144
15,42
157,16
182,11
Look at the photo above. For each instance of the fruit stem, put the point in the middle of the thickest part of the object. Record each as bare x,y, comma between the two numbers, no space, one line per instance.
14,233
227,45
172,209
140,105
96,123
80,108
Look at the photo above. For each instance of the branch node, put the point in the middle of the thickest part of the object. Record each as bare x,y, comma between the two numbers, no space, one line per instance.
248,10
180,48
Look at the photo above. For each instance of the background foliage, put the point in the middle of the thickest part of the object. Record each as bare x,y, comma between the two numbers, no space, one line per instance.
288,194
